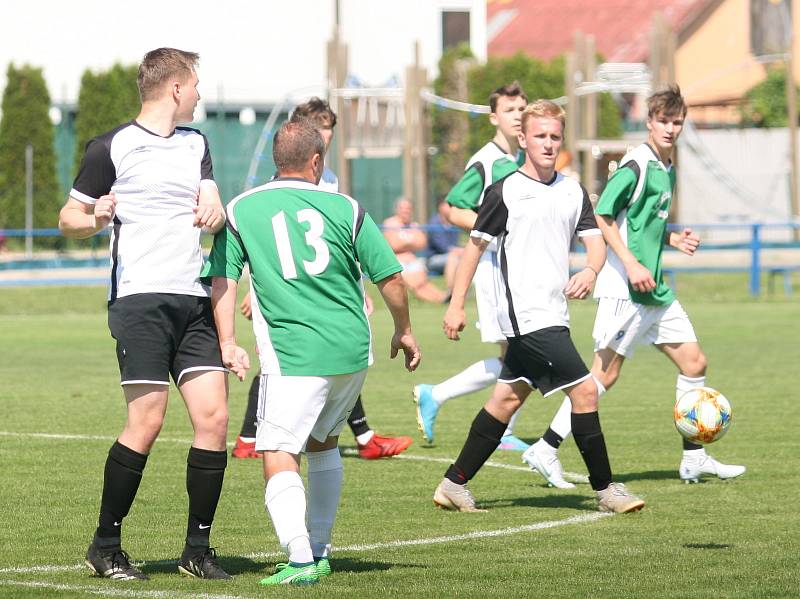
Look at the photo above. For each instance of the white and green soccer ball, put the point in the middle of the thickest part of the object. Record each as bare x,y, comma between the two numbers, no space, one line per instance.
703,415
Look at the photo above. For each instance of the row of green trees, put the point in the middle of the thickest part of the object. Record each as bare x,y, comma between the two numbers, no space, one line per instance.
106,99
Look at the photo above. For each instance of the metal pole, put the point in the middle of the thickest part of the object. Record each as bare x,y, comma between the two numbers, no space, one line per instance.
755,260
29,200
791,101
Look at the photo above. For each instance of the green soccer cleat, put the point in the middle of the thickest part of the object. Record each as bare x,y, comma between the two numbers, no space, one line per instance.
297,574
323,567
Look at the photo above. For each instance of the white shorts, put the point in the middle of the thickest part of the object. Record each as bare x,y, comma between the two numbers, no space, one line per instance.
293,408
621,325
487,282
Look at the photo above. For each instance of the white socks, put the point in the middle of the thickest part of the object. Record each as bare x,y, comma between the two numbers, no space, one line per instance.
687,383
562,421
473,378
325,475
285,499
363,438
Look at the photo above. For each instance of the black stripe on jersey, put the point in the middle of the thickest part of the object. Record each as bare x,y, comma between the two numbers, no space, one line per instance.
634,166
586,220
97,172
504,269
359,220
115,259
478,166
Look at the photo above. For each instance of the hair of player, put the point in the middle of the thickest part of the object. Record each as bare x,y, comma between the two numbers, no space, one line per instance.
295,143
668,102
318,111
162,64
512,90
543,109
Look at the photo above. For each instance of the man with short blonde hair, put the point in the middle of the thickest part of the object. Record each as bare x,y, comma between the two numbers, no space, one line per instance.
151,183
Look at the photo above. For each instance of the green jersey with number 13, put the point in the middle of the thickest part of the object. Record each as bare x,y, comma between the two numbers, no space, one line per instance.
306,249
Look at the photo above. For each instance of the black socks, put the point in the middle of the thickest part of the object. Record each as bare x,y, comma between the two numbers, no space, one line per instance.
205,470
357,419
484,437
592,445
123,473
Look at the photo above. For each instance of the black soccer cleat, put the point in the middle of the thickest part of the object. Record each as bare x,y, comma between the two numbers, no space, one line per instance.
112,563
201,562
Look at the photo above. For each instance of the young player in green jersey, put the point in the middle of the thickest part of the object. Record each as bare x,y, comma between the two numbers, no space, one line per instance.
306,249
636,306
491,163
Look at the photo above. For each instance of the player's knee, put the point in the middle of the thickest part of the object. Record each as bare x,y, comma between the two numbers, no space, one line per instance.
584,397
697,366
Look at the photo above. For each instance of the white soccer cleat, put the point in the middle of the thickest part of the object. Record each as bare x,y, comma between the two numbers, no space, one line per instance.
451,496
547,464
693,466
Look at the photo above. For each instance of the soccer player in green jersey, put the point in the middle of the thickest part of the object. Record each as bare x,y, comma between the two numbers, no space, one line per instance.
491,163
306,248
636,306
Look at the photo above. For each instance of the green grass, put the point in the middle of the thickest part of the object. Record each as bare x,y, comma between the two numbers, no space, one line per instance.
716,539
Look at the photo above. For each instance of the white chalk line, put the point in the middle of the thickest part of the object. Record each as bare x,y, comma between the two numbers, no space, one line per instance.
115,591
573,476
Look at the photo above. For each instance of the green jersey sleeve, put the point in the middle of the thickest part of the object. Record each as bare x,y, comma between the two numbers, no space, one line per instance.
619,191
227,257
469,189
374,252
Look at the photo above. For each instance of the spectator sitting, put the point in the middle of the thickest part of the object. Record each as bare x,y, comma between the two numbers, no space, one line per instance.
443,244
406,239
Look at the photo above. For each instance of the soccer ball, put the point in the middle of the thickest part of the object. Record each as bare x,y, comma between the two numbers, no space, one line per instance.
703,415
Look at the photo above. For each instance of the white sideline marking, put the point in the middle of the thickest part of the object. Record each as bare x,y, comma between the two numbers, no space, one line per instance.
115,591
573,476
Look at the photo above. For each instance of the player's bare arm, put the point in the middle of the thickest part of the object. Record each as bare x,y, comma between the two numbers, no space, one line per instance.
209,213
393,290
581,283
685,241
79,220
641,279
223,302
462,217
455,318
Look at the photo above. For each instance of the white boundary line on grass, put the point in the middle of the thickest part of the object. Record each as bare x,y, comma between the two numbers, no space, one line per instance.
115,591
573,476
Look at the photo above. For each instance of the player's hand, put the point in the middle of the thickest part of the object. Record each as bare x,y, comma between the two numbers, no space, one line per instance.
208,217
686,241
104,210
454,322
235,359
641,278
406,342
246,307
580,284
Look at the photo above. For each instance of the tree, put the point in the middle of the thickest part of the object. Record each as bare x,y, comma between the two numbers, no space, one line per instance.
26,120
539,79
765,103
106,99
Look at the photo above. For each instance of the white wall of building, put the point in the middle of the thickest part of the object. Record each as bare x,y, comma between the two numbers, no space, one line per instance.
251,51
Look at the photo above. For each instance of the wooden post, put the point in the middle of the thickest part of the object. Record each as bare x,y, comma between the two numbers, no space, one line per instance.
791,102
337,74
579,76
572,109
590,120
415,155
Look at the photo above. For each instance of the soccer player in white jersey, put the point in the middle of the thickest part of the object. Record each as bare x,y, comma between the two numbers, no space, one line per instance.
371,446
532,215
492,162
306,249
152,184
636,306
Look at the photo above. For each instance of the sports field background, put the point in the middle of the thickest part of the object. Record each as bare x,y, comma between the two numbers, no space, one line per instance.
61,407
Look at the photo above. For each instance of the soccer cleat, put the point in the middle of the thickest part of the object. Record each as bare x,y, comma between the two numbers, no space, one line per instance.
452,496
201,562
512,443
692,467
427,409
300,575
616,498
114,564
383,447
548,465
323,566
245,449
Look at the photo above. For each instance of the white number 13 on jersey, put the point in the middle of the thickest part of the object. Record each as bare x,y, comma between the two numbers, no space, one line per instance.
313,239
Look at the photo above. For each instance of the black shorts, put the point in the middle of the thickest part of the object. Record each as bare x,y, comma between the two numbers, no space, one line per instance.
159,334
546,356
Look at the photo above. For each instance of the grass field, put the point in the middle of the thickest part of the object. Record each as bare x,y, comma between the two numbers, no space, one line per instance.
61,408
